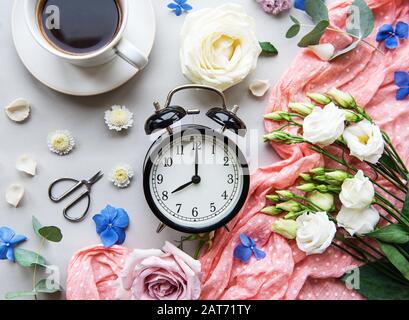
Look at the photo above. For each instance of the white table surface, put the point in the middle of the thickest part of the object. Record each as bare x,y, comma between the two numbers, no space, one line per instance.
97,147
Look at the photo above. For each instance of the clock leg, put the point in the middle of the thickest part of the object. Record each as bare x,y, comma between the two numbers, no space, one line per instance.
161,226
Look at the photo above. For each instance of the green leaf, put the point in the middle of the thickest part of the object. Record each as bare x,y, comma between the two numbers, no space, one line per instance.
360,20
394,233
51,233
317,10
405,209
293,31
295,20
36,225
27,259
313,37
351,47
19,294
396,258
268,48
375,285
42,287
387,161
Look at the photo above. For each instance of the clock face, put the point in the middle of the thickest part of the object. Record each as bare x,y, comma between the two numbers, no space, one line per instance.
196,182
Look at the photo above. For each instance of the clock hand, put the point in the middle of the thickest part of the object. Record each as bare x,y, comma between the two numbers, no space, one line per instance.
195,180
197,162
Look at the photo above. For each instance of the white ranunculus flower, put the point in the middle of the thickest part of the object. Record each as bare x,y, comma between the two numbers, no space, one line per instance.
324,126
357,192
315,232
358,221
365,141
219,46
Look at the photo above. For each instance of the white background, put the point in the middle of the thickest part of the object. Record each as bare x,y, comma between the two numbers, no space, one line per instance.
97,147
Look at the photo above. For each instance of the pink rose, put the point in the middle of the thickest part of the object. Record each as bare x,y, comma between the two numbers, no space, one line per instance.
167,274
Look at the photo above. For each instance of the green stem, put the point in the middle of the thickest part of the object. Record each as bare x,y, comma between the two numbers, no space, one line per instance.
404,222
387,177
310,202
35,267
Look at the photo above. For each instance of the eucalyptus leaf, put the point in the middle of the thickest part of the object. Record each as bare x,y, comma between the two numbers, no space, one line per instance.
19,294
51,233
293,31
42,287
394,233
268,48
36,225
360,20
375,285
405,209
317,10
396,258
294,19
28,259
351,47
314,36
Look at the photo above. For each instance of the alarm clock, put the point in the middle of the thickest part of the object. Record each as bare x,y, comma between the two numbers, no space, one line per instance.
195,178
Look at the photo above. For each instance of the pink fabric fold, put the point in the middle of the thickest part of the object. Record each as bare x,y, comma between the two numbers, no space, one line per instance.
286,273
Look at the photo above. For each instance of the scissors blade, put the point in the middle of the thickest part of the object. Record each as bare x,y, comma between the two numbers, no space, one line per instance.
96,178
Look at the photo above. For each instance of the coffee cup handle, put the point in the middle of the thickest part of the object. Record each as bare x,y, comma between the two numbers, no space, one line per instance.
128,52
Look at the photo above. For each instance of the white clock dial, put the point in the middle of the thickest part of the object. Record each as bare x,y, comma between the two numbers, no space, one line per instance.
196,180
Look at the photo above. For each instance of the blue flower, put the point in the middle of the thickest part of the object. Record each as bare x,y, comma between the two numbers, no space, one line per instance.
111,224
178,6
390,36
299,4
8,240
247,247
402,81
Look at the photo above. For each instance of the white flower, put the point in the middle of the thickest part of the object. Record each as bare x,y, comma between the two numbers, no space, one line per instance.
324,51
60,142
118,118
219,46
357,192
26,164
324,126
121,176
365,141
315,232
358,221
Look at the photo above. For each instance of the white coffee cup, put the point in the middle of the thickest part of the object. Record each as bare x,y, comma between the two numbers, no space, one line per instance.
119,46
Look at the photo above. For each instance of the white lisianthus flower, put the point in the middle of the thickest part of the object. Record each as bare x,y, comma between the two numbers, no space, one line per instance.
365,141
358,221
324,126
219,46
357,192
315,232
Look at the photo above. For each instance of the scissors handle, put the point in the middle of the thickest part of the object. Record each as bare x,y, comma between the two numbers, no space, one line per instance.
83,195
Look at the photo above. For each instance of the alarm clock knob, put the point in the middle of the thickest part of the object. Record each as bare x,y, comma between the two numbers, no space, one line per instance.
228,119
164,118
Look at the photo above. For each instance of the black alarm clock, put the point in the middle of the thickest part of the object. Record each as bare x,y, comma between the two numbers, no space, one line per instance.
195,179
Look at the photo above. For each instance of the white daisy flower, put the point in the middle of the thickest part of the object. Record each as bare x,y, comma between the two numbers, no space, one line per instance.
121,176
118,118
60,142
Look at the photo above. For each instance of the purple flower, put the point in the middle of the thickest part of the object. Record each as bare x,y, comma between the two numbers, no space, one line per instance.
247,247
275,6
8,240
111,224
178,6
390,36
402,81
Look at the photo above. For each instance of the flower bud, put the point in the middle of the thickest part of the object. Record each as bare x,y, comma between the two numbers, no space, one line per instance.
330,188
276,136
302,108
293,215
305,176
285,194
318,98
343,99
338,175
273,197
351,116
324,201
307,187
278,116
320,178
286,228
318,170
290,205
271,210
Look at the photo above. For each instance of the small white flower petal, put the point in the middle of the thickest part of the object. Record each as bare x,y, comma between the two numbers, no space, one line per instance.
26,164
121,176
323,51
18,110
259,87
14,194
118,118
61,142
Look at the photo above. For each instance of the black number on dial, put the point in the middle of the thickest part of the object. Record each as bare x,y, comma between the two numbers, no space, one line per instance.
179,206
159,178
230,179
168,162
165,195
212,207
226,161
195,213
224,195
179,150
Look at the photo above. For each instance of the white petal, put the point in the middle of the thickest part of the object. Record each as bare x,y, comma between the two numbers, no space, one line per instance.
323,51
18,110
27,165
259,87
14,194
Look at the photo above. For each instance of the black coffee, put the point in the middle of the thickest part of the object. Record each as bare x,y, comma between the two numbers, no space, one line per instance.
84,25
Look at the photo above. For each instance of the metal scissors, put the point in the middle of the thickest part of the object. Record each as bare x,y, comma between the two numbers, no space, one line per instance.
85,194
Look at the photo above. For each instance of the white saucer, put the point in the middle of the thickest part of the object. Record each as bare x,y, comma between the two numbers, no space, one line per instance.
70,79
